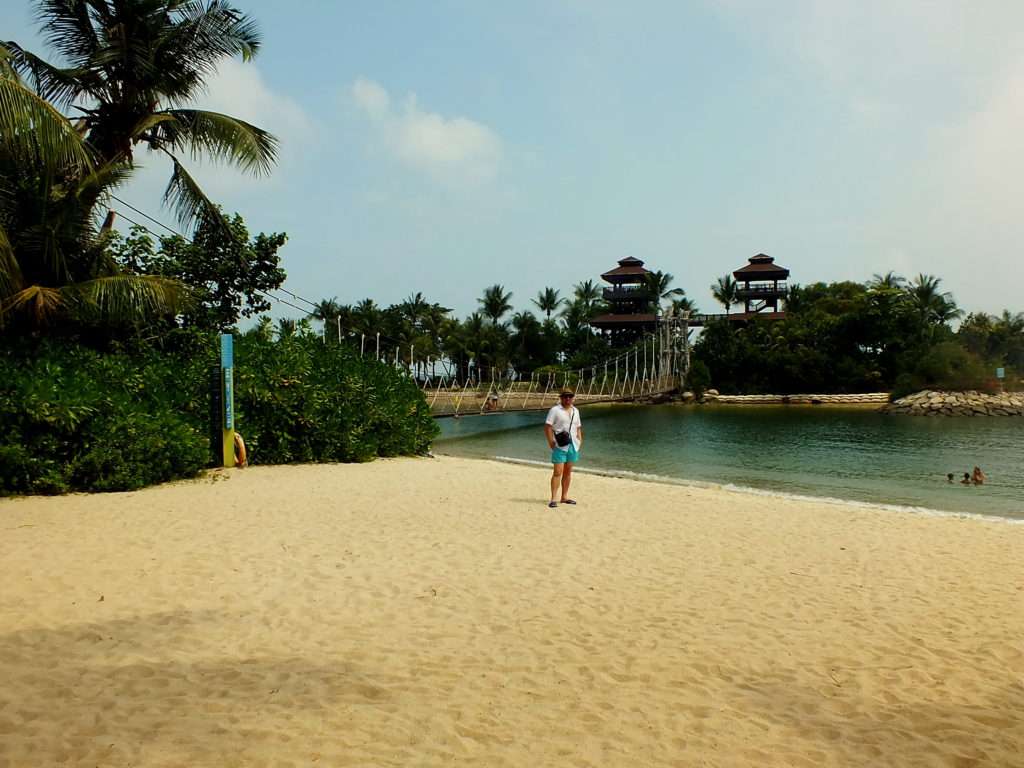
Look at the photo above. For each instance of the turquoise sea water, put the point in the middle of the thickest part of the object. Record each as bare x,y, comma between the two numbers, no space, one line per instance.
850,454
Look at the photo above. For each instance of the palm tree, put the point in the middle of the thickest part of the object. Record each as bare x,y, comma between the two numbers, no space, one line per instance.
589,293
725,292
130,67
889,280
366,317
657,285
495,303
684,304
286,327
414,308
53,258
326,310
933,306
547,301
476,342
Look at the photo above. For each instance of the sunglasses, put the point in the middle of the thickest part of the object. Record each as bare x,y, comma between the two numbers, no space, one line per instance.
567,395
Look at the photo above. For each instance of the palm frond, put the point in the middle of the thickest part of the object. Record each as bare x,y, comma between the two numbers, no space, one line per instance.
10,271
60,86
128,298
30,127
188,201
222,138
213,30
40,303
67,27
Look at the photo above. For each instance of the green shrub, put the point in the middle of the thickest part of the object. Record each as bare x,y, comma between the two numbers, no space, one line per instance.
72,418
698,378
949,366
300,400
75,419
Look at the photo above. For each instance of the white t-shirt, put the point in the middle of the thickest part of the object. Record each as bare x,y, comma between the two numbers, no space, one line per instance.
559,418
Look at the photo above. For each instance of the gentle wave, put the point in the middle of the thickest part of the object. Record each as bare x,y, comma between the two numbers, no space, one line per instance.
648,477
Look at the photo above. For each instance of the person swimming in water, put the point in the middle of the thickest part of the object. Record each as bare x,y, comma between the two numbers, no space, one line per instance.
949,477
978,477
967,479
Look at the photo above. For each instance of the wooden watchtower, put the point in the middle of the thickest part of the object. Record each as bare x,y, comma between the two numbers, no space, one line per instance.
762,285
629,302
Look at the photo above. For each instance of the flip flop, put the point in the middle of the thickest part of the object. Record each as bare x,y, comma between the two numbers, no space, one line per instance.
568,501
554,504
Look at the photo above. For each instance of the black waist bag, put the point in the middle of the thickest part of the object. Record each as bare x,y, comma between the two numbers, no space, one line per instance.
562,439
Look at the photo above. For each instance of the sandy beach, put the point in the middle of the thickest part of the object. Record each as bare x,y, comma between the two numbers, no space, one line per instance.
429,612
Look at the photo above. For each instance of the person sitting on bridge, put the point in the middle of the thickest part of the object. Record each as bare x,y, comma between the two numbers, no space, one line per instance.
564,431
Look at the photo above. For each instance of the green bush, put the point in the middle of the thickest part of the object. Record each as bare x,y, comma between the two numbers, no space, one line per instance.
950,367
698,378
72,418
298,399
75,419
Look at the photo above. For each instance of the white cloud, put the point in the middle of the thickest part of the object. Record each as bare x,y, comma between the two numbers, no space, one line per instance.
454,148
372,98
947,80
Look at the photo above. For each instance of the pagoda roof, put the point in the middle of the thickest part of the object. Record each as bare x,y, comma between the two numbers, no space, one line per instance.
627,266
761,267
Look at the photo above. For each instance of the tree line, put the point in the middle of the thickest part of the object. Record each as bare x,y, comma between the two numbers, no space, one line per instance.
554,332
888,334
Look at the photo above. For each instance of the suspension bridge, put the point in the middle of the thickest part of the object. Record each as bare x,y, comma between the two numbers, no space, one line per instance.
655,365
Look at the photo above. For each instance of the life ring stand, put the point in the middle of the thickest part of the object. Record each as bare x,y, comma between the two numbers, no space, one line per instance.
241,460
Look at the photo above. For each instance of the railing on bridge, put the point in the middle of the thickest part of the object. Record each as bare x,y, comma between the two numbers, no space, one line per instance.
656,365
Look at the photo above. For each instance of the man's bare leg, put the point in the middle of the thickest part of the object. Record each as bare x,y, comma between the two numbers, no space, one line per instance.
556,480
566,479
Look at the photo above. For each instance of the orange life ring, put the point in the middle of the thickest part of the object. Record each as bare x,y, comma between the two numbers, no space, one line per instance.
240,457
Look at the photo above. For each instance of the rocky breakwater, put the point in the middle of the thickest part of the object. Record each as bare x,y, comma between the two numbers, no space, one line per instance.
932,403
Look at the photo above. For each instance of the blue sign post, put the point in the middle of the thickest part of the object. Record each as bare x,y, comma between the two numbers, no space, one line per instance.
227,371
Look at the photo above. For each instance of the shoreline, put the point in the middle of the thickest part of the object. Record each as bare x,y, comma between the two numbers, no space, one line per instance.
668,480
433,611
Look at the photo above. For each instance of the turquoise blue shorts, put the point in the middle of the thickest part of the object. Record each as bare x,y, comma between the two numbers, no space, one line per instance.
562,455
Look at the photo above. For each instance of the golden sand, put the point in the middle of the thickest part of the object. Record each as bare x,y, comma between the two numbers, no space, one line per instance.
436,612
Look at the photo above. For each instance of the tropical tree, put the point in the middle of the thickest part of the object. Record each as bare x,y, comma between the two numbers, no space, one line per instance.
326,310
588,294
933,306
684,304
889,280
131,68
367,317
548,301
725,291
228,273
526,345
53,259
495,303
414,308
286,327
657,285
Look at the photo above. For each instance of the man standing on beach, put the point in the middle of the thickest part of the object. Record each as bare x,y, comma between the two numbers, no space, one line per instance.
564,432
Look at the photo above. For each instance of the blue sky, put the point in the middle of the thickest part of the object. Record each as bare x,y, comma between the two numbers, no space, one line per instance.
442,147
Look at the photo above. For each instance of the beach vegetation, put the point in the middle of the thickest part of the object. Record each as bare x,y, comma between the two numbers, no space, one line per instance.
548,301
131,70
658,286
725,291
884,335
495,303
228,273
138,413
